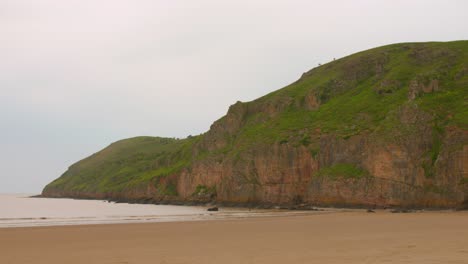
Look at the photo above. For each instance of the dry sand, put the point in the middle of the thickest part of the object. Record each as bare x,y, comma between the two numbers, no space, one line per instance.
341,237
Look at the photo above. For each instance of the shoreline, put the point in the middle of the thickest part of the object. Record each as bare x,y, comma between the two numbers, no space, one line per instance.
119,213
340,237
262,205
227,214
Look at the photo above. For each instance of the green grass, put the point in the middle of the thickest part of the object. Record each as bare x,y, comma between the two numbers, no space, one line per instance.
358,108
127,164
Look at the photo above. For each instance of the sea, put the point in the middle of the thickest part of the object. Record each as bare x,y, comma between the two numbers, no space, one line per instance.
22,210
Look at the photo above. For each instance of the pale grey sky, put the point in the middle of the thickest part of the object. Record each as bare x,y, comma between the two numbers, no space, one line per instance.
76,75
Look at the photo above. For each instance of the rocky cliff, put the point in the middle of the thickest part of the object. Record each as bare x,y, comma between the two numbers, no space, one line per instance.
383,127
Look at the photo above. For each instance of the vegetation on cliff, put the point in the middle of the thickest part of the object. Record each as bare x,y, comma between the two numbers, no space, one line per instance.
128,163
409,99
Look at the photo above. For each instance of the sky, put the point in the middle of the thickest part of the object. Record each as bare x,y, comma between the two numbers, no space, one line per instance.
77,75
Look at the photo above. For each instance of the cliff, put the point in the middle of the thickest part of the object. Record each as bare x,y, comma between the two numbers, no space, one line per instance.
383,127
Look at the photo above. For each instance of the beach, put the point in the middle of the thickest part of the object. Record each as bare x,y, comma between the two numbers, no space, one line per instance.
338,237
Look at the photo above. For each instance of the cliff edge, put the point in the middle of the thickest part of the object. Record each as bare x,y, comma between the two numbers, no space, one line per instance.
383,127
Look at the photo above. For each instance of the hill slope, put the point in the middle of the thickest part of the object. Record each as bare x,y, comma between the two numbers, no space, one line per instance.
384,127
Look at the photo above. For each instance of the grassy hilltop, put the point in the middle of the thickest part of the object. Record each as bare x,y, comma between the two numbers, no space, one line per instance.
393,117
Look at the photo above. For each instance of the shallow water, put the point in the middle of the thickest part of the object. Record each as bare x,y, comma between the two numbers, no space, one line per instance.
20,211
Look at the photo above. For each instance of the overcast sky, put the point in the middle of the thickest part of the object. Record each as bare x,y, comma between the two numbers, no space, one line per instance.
78,75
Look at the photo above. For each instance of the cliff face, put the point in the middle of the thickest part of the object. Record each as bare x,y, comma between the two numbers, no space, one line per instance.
384,127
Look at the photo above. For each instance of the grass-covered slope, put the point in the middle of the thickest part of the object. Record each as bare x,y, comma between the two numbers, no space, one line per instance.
126,164
393,95
362,92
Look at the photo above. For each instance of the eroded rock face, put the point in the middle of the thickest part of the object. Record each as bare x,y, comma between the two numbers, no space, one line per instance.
285,174
406,156
397,169
397,172
417,88
311,102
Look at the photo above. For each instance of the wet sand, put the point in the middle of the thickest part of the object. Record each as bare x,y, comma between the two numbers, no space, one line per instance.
340,237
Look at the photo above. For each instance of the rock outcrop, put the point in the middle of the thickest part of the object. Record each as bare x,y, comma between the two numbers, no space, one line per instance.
382,128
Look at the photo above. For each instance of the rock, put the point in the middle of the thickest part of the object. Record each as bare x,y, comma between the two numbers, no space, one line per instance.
370,211
213,209
311,102
272,151
417,88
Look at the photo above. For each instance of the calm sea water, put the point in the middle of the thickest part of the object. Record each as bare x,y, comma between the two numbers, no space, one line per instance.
20,210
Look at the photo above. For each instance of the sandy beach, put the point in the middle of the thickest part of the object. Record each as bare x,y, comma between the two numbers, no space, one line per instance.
340,237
